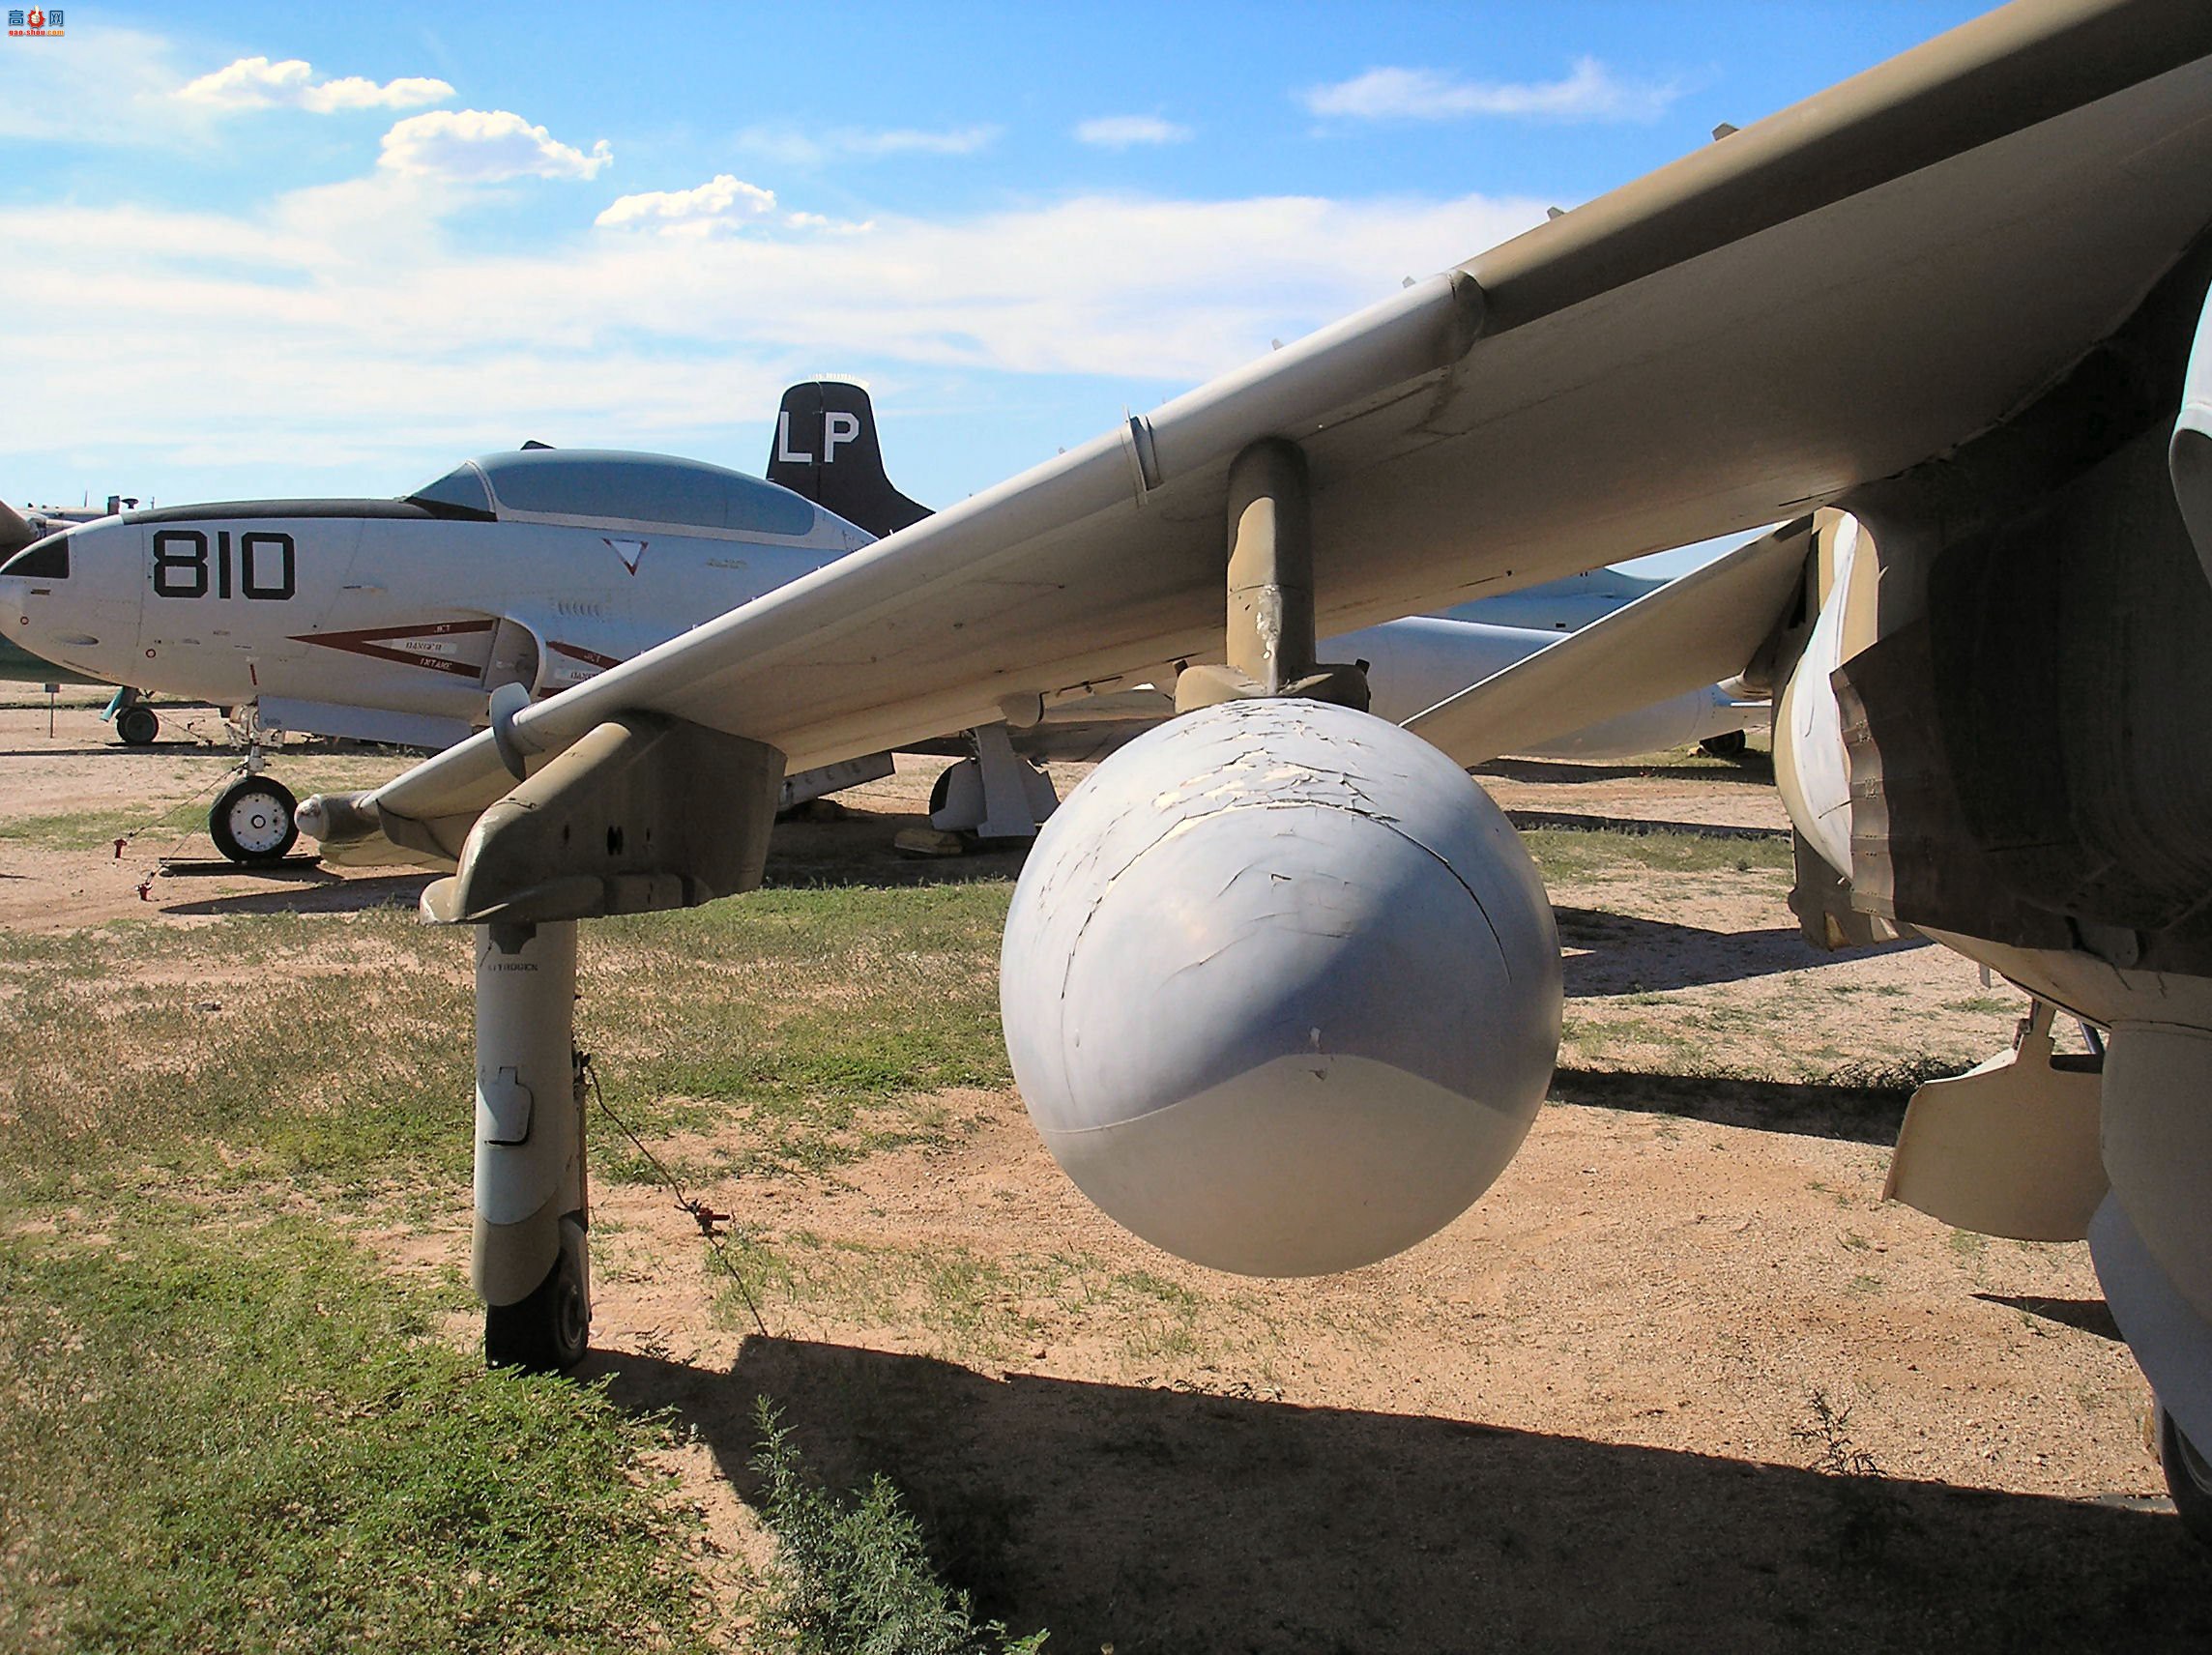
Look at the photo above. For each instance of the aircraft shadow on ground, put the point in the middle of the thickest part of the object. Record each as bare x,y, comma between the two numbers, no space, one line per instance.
1631,955
159,749
1585,823
1156,1519
1753,768
326,894
1809,1109
2085,1315
858,851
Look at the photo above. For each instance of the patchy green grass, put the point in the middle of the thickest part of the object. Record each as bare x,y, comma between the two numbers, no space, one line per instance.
247,1441
230,1053
856,1575
1569,854
225,1434
829,1021
973,1308
96,830
824,1021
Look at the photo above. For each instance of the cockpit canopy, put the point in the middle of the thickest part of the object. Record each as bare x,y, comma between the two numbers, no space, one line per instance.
603,486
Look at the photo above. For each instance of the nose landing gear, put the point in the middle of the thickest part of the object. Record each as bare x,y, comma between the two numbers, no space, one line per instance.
251,820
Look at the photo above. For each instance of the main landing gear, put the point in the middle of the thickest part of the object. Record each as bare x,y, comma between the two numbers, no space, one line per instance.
530,1261
2187,1477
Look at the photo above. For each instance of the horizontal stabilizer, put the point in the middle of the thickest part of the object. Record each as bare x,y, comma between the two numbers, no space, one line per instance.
1700,629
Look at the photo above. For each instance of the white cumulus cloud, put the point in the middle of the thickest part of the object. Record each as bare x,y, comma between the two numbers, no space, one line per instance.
907,141
256,83
1589,91
790,147
1121,131
723,201
357,322
484,146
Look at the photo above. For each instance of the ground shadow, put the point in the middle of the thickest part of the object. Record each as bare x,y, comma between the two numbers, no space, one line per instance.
317,747
1865,1113
1583,822
1149,1519
44,751
1627,954
327,895
2087,1314
1753,768
303,868
857,850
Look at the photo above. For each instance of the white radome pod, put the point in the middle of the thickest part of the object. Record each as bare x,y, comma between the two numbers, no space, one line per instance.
1281,988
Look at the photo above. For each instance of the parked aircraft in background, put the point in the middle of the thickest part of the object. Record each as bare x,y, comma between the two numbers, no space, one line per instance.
1564,605
399,620
1280,986
396,619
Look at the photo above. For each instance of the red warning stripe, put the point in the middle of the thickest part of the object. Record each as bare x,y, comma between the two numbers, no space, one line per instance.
590,657
375,641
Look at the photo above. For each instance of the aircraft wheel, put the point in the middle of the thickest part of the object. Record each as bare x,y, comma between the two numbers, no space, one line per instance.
136,726
252,819
545,1333
2188,1478
1725,746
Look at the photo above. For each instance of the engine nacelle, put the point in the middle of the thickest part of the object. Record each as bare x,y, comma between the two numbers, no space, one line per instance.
1281,988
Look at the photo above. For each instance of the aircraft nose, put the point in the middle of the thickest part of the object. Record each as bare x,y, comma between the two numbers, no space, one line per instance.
47,605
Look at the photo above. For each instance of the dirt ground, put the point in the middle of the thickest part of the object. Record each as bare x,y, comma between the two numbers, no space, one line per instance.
1681,1380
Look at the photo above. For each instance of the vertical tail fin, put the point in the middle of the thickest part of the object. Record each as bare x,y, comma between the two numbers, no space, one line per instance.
825,450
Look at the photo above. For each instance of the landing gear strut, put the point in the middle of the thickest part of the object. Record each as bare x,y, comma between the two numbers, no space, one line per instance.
530,1262
255,819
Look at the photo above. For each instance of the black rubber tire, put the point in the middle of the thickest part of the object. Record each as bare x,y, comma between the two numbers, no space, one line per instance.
1729,745
2188,1478
137,725
548,1333
254,820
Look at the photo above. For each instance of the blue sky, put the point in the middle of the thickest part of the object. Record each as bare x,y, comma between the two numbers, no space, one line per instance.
261,250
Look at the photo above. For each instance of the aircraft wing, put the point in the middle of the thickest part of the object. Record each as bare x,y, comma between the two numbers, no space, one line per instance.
1840,292
1706,626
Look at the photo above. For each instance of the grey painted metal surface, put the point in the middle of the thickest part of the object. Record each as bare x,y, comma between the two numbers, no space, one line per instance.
1281,988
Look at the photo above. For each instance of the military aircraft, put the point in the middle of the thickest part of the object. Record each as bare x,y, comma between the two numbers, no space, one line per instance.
398,620
1280,986
394,620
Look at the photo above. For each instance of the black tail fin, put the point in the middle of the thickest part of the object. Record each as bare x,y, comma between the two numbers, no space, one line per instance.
826,448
